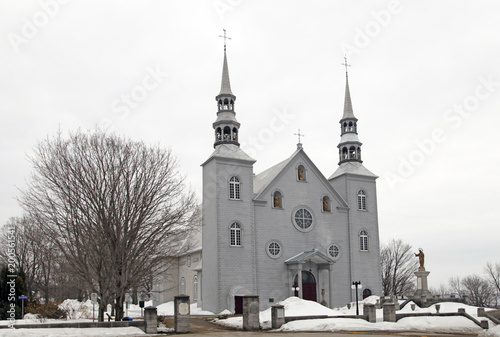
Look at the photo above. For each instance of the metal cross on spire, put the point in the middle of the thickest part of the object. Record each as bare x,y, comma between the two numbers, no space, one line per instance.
225,38
299,135
345,63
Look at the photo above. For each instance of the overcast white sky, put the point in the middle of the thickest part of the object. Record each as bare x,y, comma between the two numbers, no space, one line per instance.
425,85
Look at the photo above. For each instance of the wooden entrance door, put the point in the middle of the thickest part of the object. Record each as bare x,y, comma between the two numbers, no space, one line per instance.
308,286
238,305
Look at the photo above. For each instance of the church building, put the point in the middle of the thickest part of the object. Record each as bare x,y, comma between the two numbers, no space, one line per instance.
290,230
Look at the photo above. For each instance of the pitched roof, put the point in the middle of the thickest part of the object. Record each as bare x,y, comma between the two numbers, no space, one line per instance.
264,178
229,151
352,167
310,255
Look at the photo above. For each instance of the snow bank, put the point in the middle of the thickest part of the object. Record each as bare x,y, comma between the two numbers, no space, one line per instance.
492,332
71,332
295,306
75,309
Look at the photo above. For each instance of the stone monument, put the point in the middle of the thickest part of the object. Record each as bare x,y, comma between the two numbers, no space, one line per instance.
422,288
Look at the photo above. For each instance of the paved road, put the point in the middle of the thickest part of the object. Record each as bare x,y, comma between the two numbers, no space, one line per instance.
202,328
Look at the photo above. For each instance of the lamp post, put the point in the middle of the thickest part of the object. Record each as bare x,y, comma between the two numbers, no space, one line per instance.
355,285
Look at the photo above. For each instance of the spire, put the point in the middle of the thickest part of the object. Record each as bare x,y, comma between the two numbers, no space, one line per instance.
225,87
349,146
226,126
348,113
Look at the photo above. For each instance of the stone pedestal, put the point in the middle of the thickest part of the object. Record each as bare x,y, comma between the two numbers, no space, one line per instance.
251,312
389,310
151,320
422,287
182,314
369,310
277,316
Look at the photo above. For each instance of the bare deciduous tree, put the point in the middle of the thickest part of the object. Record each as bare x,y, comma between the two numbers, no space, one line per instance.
114,208
478,289
493,276
398,267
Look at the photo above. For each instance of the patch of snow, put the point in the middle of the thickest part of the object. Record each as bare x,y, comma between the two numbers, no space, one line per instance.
225,312
167,309
71,332
492,332
295,306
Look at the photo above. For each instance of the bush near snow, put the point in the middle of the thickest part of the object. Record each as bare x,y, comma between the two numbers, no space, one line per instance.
46,310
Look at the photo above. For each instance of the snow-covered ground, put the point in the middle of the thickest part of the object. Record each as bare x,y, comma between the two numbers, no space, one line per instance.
293,307
297,307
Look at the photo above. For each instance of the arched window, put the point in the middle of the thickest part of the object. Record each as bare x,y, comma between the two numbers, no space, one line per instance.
234,188
220,104
350,126
277,200
182,287
195,288
301,173
345,127
326,206
235,134
345,155
366,293
352,152
235,235
363,241
226,102
218,135
188,263
227,133
361,200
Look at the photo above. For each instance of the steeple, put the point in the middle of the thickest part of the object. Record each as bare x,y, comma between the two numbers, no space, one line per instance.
349,146
226,126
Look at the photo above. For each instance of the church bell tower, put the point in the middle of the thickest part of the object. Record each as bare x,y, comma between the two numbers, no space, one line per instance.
226,126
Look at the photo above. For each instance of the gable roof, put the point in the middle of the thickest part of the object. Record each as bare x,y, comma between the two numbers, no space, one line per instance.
266,178
263,179
311,255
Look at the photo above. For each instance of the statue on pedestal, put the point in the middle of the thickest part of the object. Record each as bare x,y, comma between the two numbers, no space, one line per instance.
420,256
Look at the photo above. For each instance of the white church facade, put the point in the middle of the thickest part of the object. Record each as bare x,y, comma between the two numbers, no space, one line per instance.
290,230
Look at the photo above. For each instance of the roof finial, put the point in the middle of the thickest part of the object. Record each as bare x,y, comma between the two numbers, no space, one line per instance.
344,64
225,38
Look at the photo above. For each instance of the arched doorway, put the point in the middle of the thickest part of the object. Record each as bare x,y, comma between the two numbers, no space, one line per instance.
367,293
308,286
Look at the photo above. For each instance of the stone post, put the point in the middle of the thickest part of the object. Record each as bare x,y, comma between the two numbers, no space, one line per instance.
480,312
485,324
277,316
151,320
251,312
369,310
182,317
389,310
